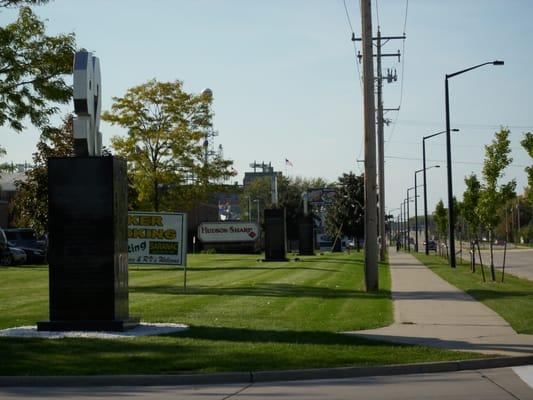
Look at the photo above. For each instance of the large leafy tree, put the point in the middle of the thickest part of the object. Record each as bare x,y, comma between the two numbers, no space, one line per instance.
346,213
32,66
493,194
30,206
164,144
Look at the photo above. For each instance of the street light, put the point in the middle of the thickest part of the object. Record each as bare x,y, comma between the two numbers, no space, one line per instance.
416,204
426,233
451,233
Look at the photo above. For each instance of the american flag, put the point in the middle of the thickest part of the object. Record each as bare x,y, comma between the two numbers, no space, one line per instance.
287,162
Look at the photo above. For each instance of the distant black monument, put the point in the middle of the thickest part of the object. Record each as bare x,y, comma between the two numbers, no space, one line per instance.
87,211
275,235
306,236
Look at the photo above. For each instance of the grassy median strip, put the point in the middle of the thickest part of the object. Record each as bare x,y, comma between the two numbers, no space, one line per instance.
512,299
244,315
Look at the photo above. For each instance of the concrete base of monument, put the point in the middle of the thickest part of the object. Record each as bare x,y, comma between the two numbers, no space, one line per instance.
115,325
142,329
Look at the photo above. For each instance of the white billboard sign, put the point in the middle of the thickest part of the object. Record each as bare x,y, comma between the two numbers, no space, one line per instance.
221,232
157,238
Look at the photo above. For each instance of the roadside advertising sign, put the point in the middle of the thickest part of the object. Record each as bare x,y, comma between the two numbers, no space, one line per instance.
223,232
157,238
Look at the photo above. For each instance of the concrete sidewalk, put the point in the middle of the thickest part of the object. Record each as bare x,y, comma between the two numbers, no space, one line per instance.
430,311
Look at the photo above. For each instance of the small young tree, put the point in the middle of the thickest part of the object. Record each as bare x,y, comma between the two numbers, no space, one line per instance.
494,195
440,216
527,144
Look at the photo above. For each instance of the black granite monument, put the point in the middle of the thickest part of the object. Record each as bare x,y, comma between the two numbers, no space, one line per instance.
306,236
87,221
275,235
88,248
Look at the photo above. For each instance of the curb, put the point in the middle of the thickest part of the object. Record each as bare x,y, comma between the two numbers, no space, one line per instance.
262,376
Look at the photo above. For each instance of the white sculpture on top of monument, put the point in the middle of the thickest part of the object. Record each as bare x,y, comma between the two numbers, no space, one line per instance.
87,104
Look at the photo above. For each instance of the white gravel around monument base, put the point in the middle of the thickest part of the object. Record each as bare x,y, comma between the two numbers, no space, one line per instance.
144,329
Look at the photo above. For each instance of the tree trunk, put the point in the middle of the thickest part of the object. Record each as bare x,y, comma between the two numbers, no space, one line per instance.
156,196
492,272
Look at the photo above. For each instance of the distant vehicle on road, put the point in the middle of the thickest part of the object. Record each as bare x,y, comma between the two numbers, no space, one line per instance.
26,239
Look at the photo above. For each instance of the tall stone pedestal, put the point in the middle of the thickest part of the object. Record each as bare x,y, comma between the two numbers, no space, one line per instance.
306,236
88,248
275,235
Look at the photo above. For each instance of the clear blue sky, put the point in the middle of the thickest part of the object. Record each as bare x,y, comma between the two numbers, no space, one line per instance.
286,84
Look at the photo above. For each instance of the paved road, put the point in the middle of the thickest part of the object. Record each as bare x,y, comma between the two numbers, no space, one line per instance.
495,384
518,262
430,311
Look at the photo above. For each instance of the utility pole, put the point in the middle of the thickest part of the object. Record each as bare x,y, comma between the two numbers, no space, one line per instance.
381,154
380,121
371,234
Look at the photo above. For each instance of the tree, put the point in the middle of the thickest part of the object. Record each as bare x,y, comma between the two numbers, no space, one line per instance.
30,206
18,3
164,143
346,214
289,197
32,66
440,217
527,144
470,203
494,195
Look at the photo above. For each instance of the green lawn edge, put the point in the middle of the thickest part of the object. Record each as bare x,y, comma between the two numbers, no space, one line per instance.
244,315
511,299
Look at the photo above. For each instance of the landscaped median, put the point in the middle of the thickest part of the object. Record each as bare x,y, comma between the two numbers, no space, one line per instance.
244,315
512,299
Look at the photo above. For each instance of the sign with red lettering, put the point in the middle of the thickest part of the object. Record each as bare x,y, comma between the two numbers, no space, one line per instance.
220,232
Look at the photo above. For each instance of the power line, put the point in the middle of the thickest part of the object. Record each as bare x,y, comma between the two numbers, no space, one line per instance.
356,62
464,124
473,146
348,16
377,14
454,162
394,124
405,19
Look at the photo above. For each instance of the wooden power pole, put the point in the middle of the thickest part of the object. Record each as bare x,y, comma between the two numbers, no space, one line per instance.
371,212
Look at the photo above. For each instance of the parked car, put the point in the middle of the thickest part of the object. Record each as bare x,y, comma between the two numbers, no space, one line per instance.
14,256
432,245
26,239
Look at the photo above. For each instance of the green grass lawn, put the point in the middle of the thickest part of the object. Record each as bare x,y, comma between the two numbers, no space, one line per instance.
512,299
244,315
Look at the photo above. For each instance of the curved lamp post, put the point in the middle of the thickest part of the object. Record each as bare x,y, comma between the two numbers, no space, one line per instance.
451,233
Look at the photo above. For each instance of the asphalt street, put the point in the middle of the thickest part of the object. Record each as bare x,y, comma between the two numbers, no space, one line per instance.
518,262
493,384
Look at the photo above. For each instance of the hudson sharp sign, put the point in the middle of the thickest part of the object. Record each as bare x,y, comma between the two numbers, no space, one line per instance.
219,232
